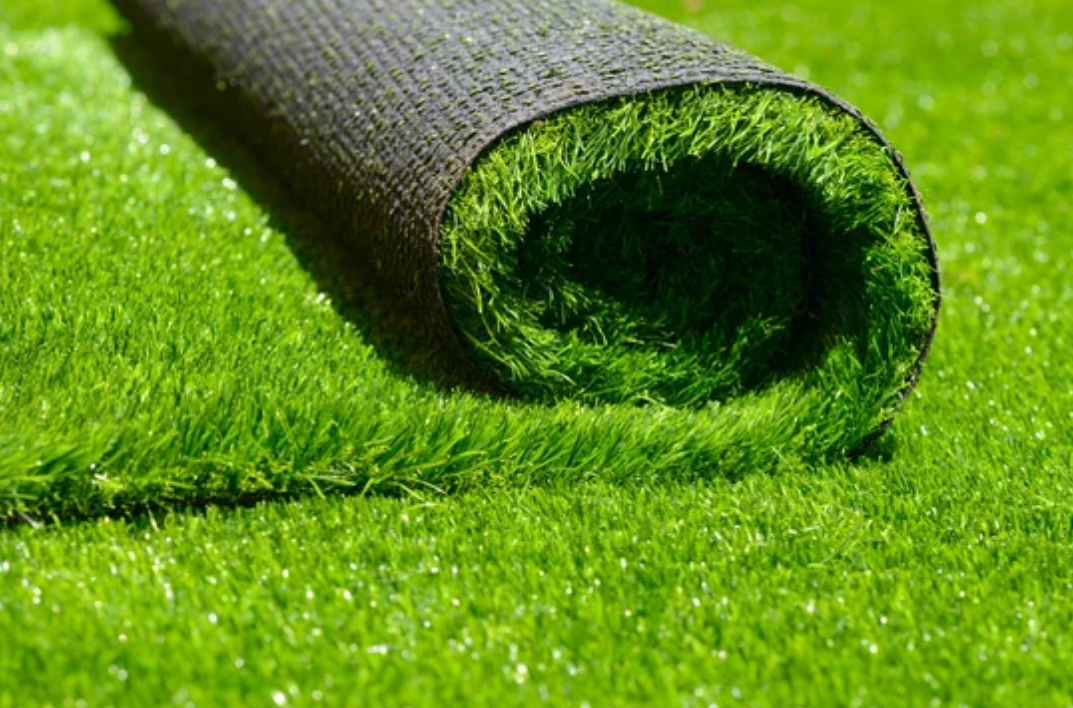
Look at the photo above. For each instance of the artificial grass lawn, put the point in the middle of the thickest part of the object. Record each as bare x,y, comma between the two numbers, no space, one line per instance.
950,558
856,587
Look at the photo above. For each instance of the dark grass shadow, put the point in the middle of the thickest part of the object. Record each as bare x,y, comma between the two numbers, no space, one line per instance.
145,514
881,447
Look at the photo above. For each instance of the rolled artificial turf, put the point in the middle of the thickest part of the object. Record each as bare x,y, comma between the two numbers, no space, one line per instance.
667,260
687,246
580,201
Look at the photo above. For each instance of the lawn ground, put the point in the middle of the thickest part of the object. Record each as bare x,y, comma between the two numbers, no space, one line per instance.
936,573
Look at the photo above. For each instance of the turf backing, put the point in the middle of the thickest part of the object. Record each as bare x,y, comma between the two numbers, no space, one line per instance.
949,555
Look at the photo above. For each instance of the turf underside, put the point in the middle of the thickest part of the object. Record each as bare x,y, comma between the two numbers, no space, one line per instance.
937,574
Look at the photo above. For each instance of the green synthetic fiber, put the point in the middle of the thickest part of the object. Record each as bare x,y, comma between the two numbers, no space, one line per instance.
686,247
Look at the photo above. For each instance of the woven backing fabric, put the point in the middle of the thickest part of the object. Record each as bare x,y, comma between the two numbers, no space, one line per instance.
372,110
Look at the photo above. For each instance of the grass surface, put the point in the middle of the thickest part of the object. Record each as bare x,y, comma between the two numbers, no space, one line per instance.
939,576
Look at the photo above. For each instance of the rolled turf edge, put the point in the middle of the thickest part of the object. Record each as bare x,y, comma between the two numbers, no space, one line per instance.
583,201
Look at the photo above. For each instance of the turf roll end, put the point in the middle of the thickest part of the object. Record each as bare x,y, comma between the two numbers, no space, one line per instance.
686,246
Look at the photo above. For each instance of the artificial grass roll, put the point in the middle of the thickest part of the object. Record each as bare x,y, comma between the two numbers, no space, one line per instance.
581,201
683,247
